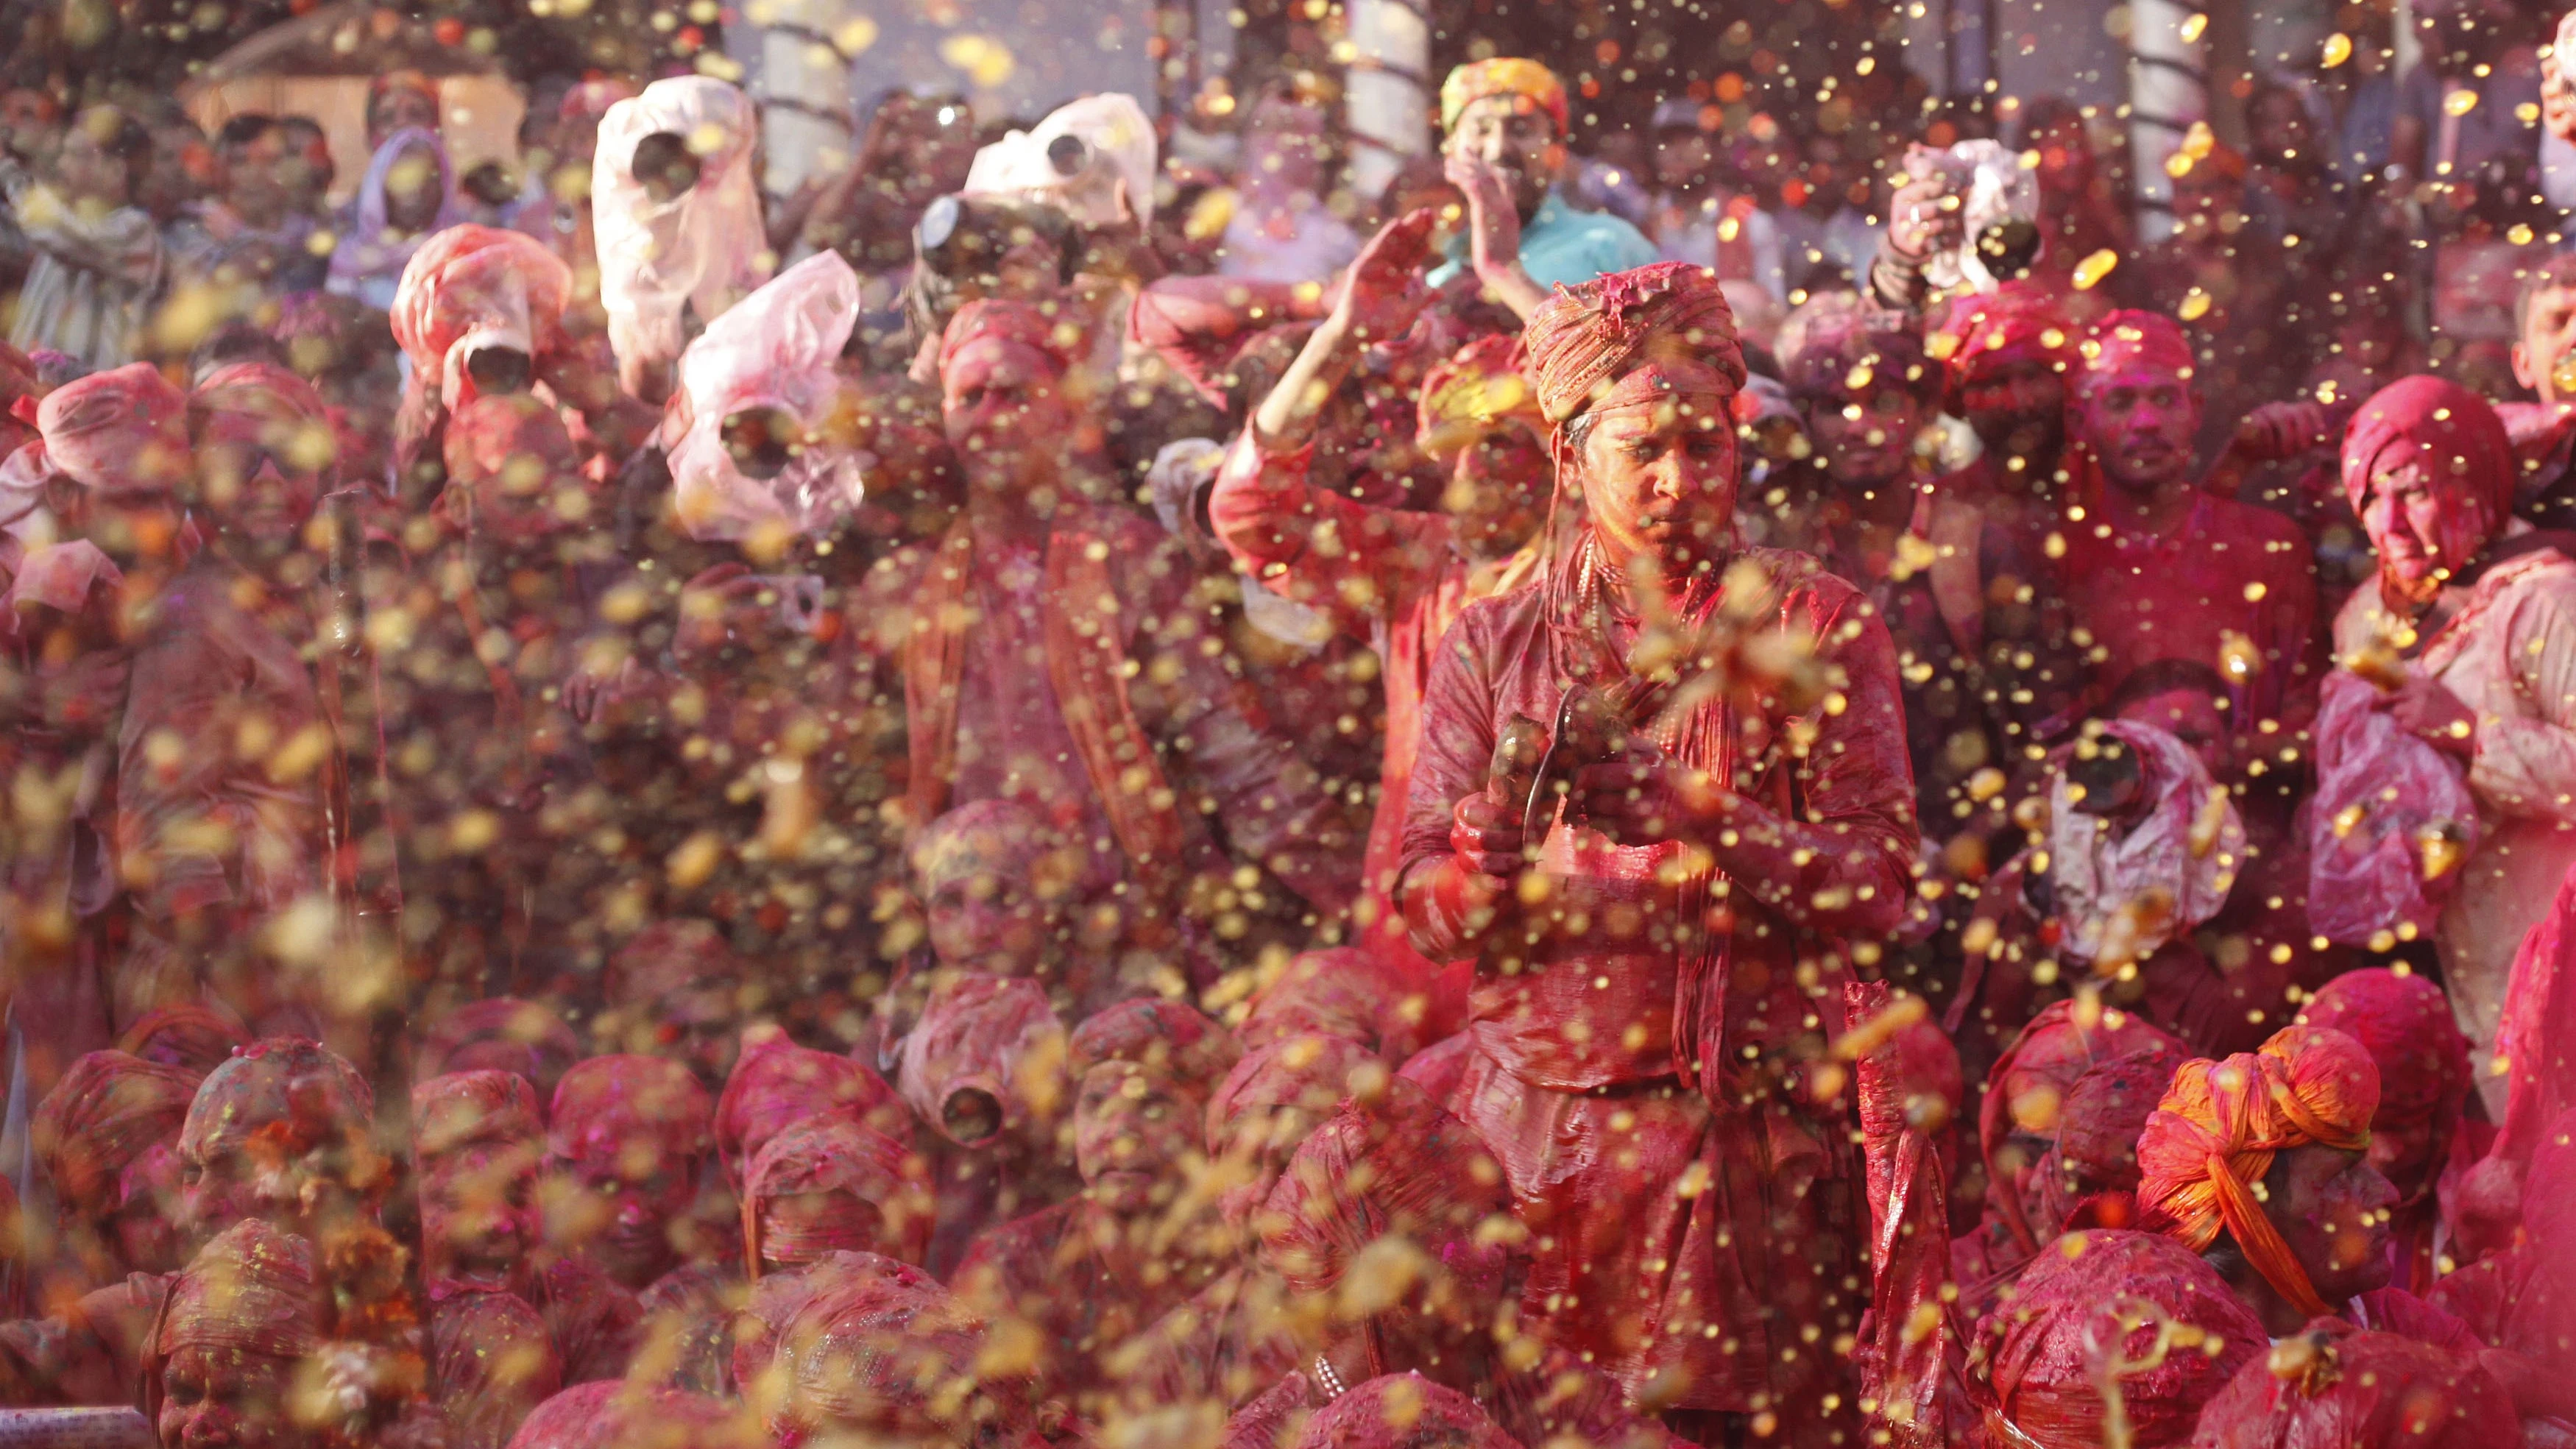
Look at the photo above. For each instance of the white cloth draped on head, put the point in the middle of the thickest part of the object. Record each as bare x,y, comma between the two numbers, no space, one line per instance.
775,349
705,249
368,263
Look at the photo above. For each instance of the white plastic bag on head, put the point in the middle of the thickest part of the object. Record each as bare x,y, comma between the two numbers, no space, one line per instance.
706,248
1993,187
775,349
1116,143
2388,808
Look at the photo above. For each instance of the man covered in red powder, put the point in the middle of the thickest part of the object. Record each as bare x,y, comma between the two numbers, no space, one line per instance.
1394,577
1740,805
2159,568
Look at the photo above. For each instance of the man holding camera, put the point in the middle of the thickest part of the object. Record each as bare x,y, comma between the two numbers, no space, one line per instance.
1505,121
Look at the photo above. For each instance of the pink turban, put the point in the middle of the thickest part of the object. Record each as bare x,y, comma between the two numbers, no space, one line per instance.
1170,1037
776,1084
1339,991
458,1110
190,1034
1402,1168
616,1414
2027,1086
667,957
605,1103
1043,329
893,1352
123,432
2468,459
876,1192
1311,1073
293,1098
1665,326
250,1291
504,1034
2020,314
2405,1023
2128,339
2338,1387
2040,1358
483,286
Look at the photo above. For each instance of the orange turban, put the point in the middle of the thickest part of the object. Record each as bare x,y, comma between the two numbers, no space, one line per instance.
1466,395
2220,1125
1502,76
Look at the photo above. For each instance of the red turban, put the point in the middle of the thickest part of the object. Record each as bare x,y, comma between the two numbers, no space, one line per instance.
122,432
777,1298
893,1353
1403,1411
605,1103
2027,1086
503,1034
1665,328
284,403
1400,1168
877,1188
2042,1356
2019,315
2219,1126
481,285
458,1110
295,1099
2467,458
1311,1073
191,1035
1170,1037
2131,338
1043,329
984,1059
2096,1151
664,958
776,1083
2405,1023
105,1112
2338,1387
250,1291
617,1414
1341,991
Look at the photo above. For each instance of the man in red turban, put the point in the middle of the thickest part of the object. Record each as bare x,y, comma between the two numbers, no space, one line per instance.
1697,689
2262,1162
2008,359
2160,568
1393,577
1044,646
2404,1022
108,1136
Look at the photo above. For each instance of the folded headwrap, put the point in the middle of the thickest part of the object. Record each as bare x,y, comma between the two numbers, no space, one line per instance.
1042,329
776,1084
2405,1023
2339,1387
778,1297
2041,1358
988,1053
458,1110
1400,1167
493,1361
471,287
2020,314
606,1102
2027,1086
1339,991
2096,1151
1170,1037
1403,1411
2467,458
1310,1073
250,1291
122,432
893,1352
877,1188
2219,1127
505,1034
284,405
107,1110
1502,76
191,1035
1470,393
2130,338
290,1101
620,1414
1665,328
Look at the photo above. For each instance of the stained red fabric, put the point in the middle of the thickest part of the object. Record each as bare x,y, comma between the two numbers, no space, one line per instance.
1172,1038
2026,1091
1908,1089
2336,1387
2214,1136
491,1364
832,1184
776,1084
2128,339
1309,1073
2523,1300
2017,315
504,1034
2096,1146
1341,991
778,1297
983,1061
606,1102
1403,1411
1397,1167
1590,342
106,1111
2536,1043
2042,1356
620,1415
123,432
892,1352
2405,1023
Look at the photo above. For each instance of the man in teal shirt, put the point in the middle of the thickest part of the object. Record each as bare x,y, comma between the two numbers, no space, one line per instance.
1505,120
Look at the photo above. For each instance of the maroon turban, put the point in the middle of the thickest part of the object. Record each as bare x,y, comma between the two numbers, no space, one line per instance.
296,1099
1403,1411
2027,1086
2466,454
191,1034
2338,1387
502,1034
1170,1037
875,1192
2097,1132
776,1084
2042,1356
606,1102
123,432
1667,326
615,1414
108,1110
1311,1073
1402,1167
249,1291
2405,1023
2129,339
458,1110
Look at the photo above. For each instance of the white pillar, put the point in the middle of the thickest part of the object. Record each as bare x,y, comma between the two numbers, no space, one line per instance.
798,74
2168,91
1387,99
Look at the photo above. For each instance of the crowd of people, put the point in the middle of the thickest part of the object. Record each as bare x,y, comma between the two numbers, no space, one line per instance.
1042,795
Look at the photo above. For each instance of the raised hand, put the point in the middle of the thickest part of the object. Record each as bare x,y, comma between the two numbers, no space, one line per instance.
1383,292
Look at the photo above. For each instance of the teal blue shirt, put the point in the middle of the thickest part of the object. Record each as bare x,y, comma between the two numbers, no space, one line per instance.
1561,244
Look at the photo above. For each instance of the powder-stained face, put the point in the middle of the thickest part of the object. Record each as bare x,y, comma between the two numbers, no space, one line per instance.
2015,400
1003,406
1512,134
227,1399
478,1206
1131,1127
147,1219
1660,479
2140,422
2328,1206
